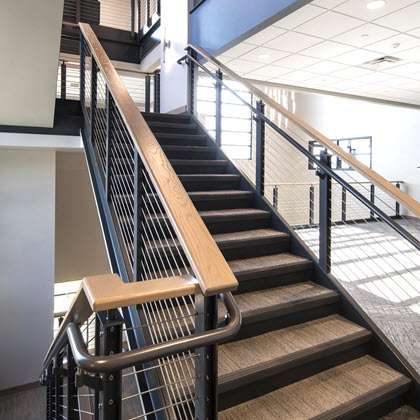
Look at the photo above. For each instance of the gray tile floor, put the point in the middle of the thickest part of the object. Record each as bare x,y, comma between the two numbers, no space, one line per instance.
382,273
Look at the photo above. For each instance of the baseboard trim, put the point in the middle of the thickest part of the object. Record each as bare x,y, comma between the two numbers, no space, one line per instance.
20,388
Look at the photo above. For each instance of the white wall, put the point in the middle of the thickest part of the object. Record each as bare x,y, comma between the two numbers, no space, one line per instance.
29,43
27,212
175,23
79,245
395,132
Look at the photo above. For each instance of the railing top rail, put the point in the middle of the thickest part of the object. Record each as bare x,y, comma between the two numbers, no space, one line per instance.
206,260
274,184
398,195
100,293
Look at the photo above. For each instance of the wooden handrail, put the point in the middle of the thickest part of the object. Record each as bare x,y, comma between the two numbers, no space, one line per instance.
100,293
400,196
206,260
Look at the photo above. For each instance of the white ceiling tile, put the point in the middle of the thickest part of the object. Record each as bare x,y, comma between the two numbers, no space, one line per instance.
358,9
326,50
327,4
412,54
238,50
265,35
413,86
300,16
374,77
415,32
356,57
324,80
223,59
365,35
329,25
351,73
405,69
292,42
257,77
296,61
264,55
390,46
345,84
325,67
394,81
243,66
402,20
298,76
269,71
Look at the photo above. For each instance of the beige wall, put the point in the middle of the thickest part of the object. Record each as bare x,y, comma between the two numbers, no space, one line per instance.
79,245
27,213
29,43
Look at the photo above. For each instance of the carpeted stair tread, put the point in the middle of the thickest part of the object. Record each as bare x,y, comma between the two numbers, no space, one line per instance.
271,264
219,195
263,353
345,390
403,413
172,125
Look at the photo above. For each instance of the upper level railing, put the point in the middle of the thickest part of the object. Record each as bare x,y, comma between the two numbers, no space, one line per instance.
161,239
361,228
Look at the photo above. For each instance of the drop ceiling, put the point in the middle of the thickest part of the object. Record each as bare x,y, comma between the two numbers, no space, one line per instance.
326,44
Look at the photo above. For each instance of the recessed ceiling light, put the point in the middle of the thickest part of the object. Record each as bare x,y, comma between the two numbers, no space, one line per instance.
376,4
265,55
365,35
396,45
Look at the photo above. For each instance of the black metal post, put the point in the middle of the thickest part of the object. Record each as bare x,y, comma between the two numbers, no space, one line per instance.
58,374
63,80
311,205
147,104
138,230
343,204
397,204
132,17
372,199
157,92
78,9
93,81
260,150
219,75
325,214
82,72
108,139
192,84
148,14
158,7
111,323
71,385
206,362
50,393
276,197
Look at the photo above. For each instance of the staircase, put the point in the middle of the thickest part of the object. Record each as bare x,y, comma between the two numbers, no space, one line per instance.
296,355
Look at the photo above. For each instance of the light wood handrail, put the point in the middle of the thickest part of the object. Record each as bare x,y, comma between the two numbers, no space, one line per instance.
100,293
400,196
206,260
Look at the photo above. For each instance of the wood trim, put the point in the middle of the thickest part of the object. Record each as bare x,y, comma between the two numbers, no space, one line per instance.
206,260
109,291
403,198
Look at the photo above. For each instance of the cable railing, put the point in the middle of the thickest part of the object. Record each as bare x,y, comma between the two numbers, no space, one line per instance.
362,229
143,86
174,271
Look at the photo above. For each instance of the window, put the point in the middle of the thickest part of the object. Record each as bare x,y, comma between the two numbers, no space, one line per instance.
236,136
359,147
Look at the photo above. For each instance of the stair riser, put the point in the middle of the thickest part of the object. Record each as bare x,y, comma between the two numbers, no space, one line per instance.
167,141
187,129
169,118
198,169
223,204
273,380
210,185
260,283
252,326
190,154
